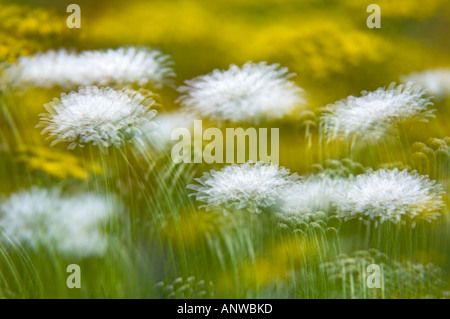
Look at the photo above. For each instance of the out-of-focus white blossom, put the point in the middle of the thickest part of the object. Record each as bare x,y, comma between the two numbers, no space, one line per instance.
437,81
157,133
125,65
251,93
44,218
374,113
315,193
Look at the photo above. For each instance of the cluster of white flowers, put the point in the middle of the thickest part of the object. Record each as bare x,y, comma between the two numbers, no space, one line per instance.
251,93
250,186
384,195
374,113
44,218
315,193
101,116
437,82
125,65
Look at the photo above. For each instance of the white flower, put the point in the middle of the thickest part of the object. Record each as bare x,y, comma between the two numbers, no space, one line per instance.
254,92
390,195
101,116
374,113
125,65
250,186
315,193
158,132
45,218
437,81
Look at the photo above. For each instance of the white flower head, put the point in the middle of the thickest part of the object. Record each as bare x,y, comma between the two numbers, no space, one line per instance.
45,218
101,116
315,193
125,65
374,113
437,81
249,186
158,132
251,93
390,195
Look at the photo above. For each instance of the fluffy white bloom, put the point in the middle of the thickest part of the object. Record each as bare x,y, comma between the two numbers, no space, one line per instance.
45,218
315,193
374,113
158,132
250,186
101,116
69,70
254,92
437,81
389,195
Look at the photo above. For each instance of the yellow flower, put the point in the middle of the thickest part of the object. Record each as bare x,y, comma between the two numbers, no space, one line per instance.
168,21
60,165
25,30
316,48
